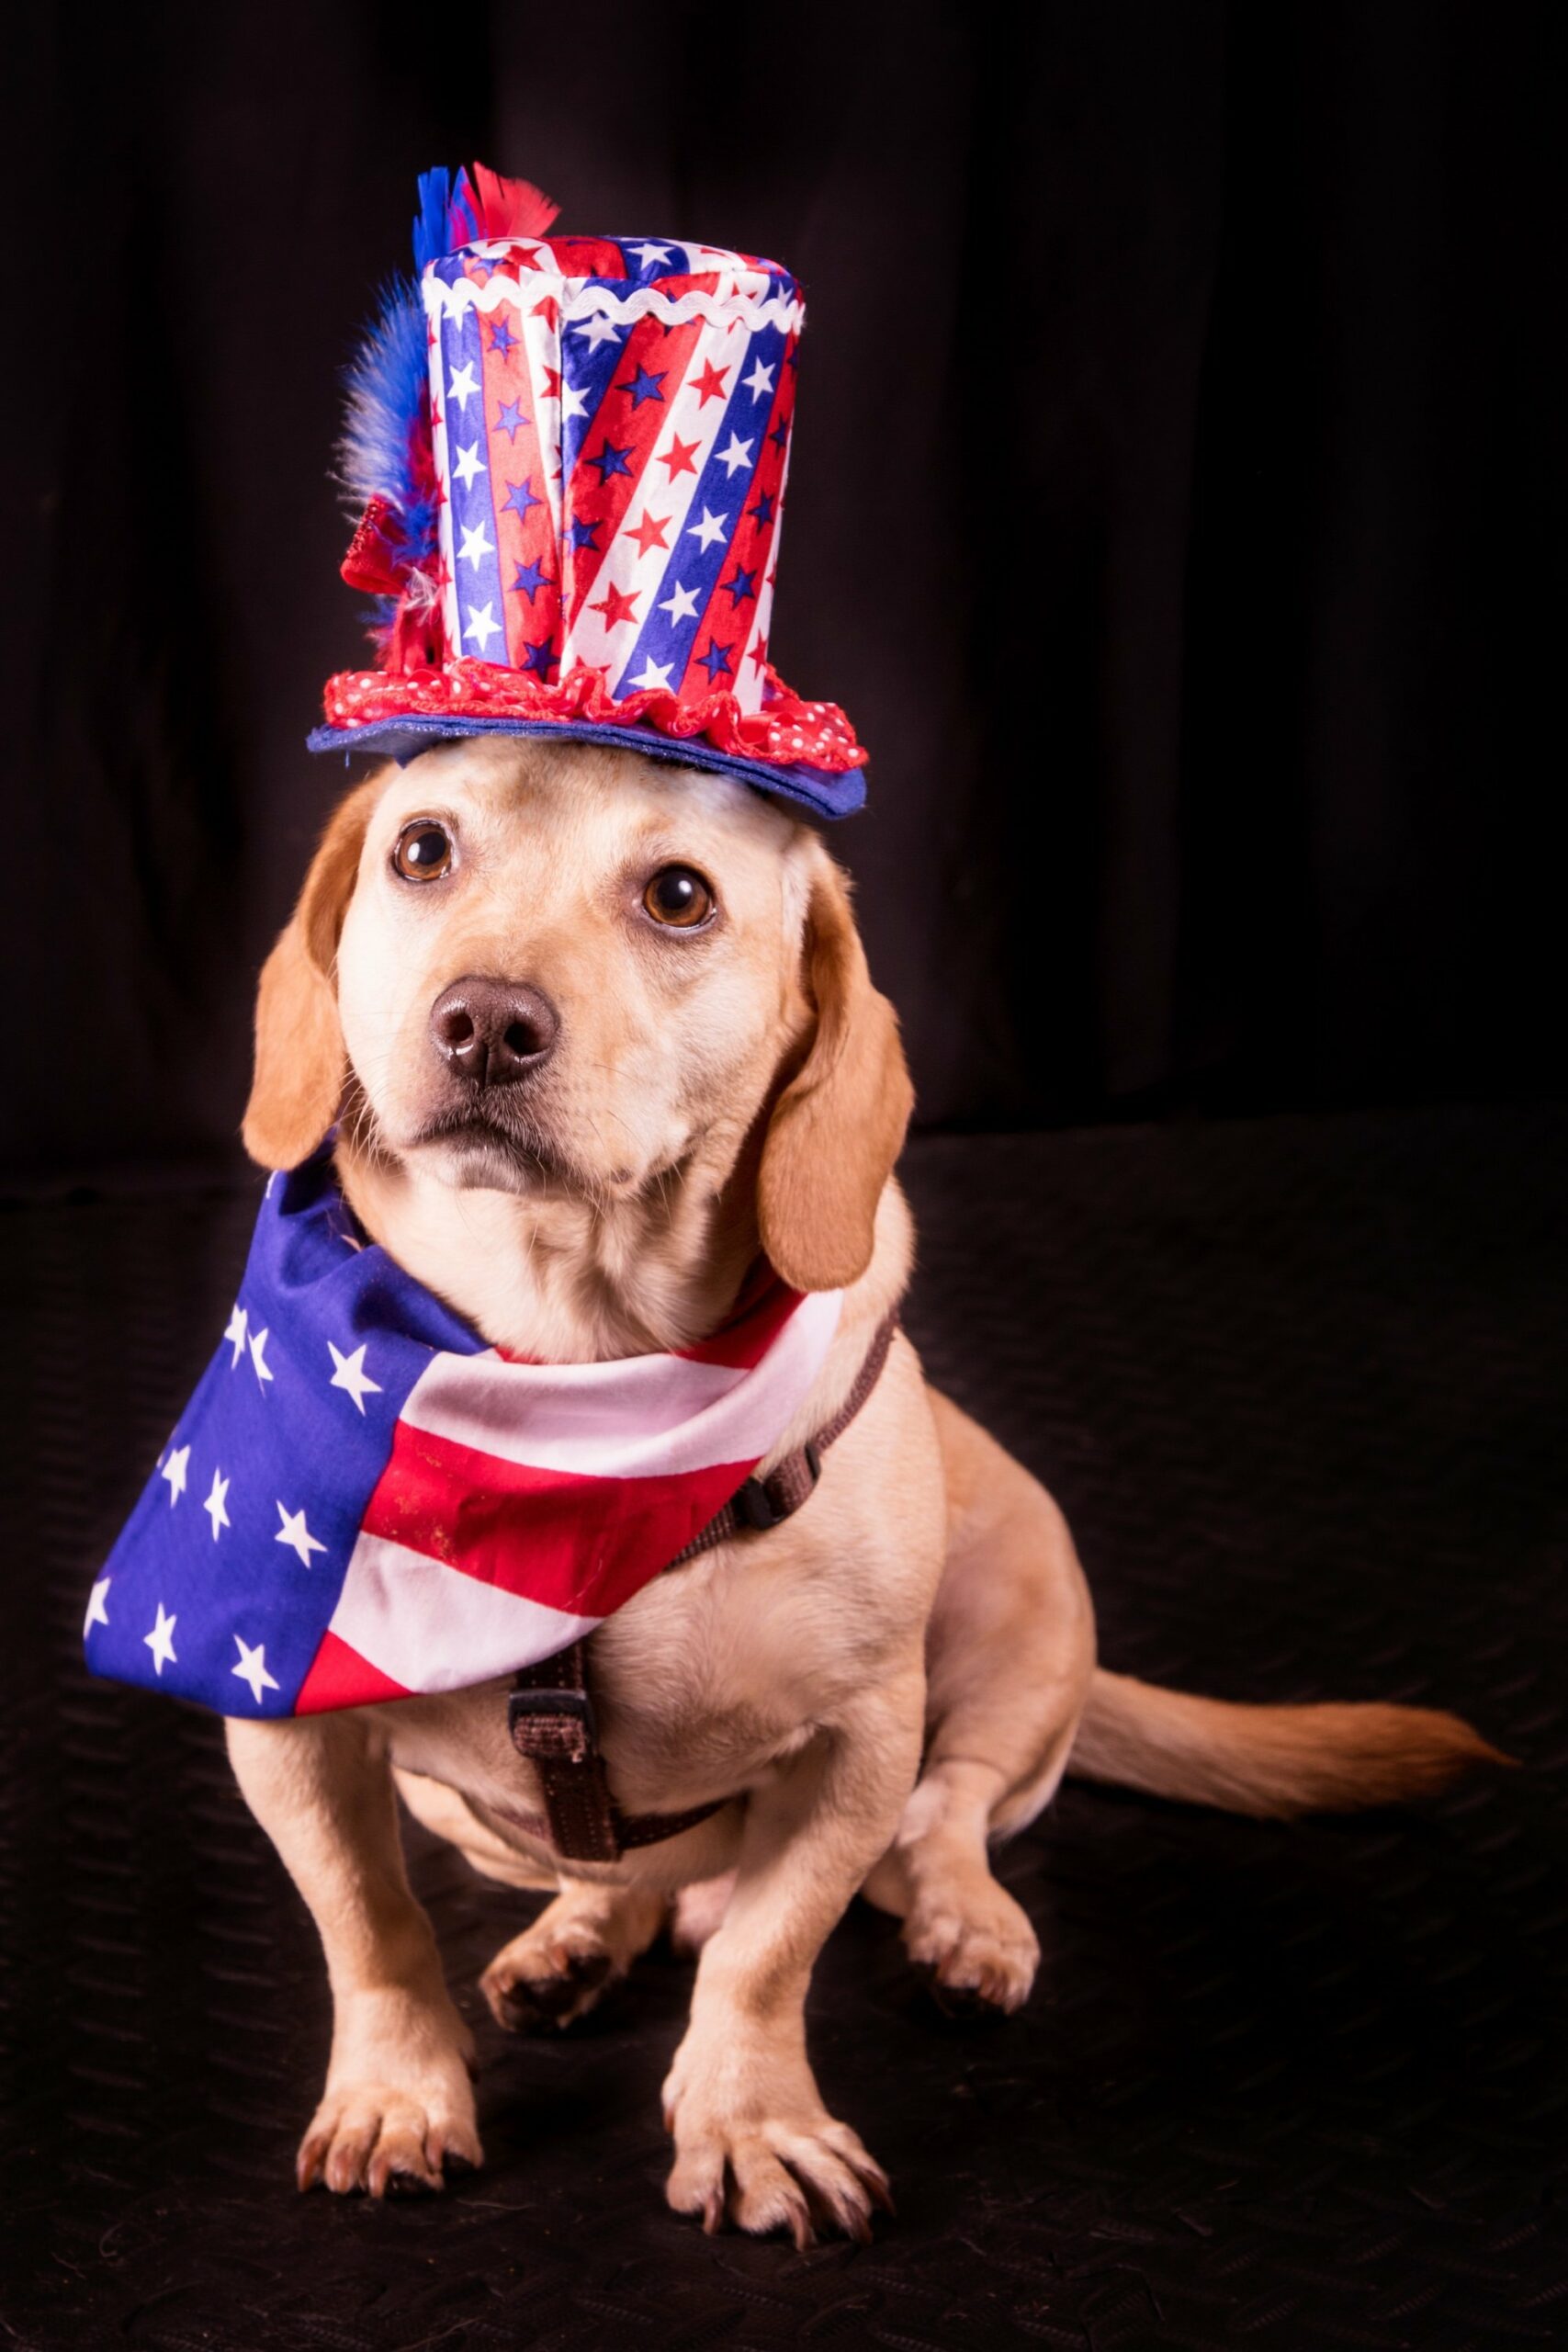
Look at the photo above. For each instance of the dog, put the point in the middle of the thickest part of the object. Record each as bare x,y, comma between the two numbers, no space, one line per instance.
668,1056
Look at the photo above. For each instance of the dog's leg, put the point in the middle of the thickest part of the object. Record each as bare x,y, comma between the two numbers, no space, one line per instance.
1009,1656
740,2098
575,1949
398,2102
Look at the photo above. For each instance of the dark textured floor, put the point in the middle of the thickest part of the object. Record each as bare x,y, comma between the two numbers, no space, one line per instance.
1300,1387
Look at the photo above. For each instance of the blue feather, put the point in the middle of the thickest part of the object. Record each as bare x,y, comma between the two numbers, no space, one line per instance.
378,618
385,428
386,431
448,215
430,221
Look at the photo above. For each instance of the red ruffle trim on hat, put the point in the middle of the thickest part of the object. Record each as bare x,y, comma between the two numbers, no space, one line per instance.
788,731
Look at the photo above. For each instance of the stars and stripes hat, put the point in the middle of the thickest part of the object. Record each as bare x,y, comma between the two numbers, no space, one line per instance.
572,455
362,1499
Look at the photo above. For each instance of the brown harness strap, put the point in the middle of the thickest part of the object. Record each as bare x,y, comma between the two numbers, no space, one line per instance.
550,1716
761,1503
550,1709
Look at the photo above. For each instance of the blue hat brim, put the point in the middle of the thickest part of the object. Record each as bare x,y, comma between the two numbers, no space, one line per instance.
822,790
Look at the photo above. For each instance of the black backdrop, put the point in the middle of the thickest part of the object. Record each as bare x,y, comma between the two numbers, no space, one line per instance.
1177,506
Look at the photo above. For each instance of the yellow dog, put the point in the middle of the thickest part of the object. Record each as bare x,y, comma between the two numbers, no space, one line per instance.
687,1062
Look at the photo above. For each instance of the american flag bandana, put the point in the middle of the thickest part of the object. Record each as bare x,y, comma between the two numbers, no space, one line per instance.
364,1499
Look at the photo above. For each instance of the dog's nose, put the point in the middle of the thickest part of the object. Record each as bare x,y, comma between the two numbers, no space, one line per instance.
492,1032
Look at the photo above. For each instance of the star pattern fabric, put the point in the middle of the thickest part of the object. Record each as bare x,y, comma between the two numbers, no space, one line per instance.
575,384
362,1499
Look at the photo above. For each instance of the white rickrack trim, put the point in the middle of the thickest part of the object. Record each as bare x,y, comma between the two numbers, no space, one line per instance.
582,298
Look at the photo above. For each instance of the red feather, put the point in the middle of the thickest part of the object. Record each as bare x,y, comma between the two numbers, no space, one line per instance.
511,208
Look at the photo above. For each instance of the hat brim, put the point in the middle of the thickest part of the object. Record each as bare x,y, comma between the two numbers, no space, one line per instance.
825,792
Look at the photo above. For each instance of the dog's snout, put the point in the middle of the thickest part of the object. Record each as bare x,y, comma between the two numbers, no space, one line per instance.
492,1032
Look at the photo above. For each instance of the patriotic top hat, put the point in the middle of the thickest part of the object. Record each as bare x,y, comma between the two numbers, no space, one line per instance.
572,455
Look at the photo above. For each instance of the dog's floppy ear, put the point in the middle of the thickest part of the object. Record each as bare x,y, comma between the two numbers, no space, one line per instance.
300,1062
839,1125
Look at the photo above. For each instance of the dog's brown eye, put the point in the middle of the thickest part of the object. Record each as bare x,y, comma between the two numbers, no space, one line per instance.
423,852
678,896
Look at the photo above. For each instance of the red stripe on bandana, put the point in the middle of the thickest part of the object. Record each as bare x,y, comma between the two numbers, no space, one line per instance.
339,1676
762,1307
573,1542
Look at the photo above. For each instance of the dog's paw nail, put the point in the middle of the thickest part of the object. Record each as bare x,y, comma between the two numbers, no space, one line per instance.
962,2004
400,2182
965,2001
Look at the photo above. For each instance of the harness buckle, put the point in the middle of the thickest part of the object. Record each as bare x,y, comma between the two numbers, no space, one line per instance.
575,1704
757,1507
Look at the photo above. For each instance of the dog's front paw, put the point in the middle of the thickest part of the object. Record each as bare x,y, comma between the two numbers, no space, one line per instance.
580,1944
769,2162
379,2137
399,2106
534,1988
977,1944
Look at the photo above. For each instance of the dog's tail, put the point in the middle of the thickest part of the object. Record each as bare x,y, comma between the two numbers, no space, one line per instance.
1269,1760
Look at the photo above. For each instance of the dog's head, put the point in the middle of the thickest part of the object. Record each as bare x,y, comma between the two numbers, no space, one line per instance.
573,971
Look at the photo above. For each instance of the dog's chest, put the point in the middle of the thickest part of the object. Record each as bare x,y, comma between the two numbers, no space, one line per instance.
722,1666
716,1673
710,1679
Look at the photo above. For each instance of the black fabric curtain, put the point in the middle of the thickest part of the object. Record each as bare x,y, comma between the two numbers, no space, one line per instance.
1177,506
